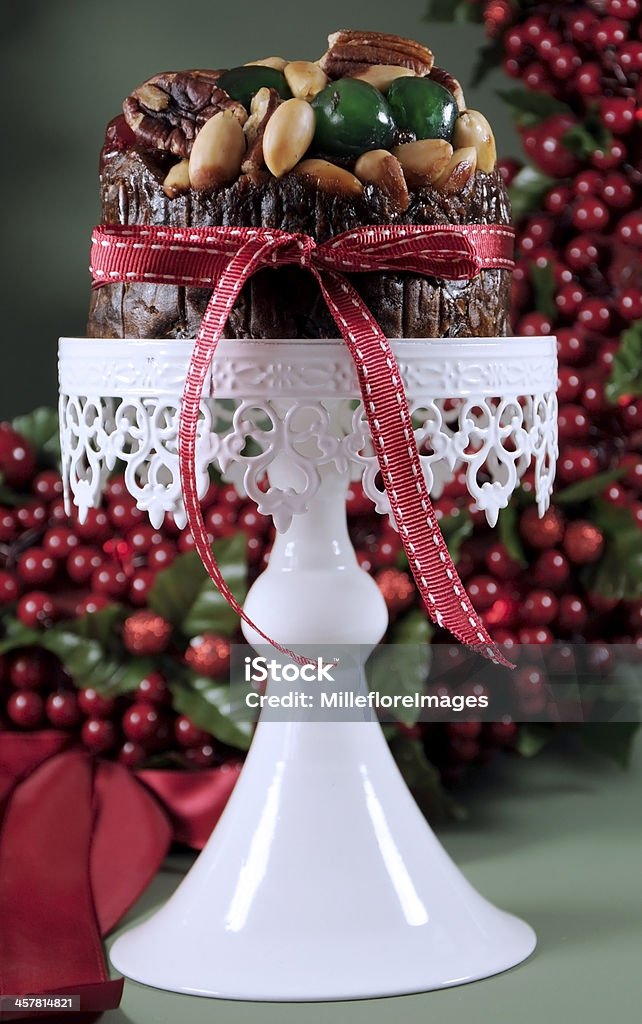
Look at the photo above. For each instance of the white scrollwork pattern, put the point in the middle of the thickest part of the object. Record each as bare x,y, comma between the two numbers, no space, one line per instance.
487,406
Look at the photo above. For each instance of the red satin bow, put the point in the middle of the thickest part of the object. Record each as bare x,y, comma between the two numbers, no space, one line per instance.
224,259
80,841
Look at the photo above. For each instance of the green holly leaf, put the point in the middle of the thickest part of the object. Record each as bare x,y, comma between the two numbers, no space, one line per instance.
626,371
400,669
185,596
423,779
618,574
527,191
579,141
99,625
533,737
488,57
456,529
40,428
610,739
543,281
583,490
509,534
412,628
531,107
207,704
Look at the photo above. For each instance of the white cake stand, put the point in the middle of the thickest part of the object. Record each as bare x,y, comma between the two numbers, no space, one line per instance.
322,879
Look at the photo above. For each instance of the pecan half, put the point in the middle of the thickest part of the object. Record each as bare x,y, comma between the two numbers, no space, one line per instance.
263,106
350,51
167,111
443,77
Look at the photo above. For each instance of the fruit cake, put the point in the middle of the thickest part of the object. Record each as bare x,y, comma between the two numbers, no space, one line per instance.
371,133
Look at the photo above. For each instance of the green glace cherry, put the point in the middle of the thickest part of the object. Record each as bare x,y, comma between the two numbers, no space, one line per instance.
243,83
351,117
423,107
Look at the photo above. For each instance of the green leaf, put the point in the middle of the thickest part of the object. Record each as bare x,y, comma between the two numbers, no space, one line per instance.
527,190
579,141
618,574
400,669
531,107
207,704
509,534
412,628
533,737
456,528
543,281
626,371
186,597
98,625
488,57
610,739
423,779
585,489
210,612
40,427
8,496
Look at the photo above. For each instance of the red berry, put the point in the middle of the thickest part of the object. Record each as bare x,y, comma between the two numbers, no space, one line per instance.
91,604
98,735
606,159
131,754
633,475
582,252
595,314
115,489
188,734
154,689
140,722
531,635
593,398
25,709
544,145
573,423
96,526
580,24
30,670
623,8
483,591
583,542
631,415
9,588
62,709
609,32
500,564
544,532
617,191
95,704
551,569
36,609
123,513
209,655
530,686
82,563
568,384
534,325
539,608
588,79
536,78
17,458
576,464
8,528
629,304
618,114
629,229
590,214
573,615
36,567
571,344
143,537
536,232
145,633
32,516
569,298
161,556
200,756
47,485
558,199
508,167
140,585
57,513
548,43
565,61
59,541
502,733
630,56
109,579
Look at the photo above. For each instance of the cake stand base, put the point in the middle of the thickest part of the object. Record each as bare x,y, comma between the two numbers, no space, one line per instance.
322,881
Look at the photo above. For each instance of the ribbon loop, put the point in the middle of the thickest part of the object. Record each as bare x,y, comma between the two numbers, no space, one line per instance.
224,259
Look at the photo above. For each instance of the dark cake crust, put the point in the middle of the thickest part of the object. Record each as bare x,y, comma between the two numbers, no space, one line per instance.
286,303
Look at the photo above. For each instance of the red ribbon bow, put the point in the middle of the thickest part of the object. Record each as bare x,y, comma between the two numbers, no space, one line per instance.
80,841
223,258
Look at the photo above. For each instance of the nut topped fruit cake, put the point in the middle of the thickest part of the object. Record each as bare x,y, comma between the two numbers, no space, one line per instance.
371,133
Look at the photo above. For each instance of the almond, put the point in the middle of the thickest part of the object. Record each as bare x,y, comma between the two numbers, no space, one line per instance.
472,129
423,161
379,167
278,63
217,152
177,179
458,171
305,79
383,75
288,135
328,177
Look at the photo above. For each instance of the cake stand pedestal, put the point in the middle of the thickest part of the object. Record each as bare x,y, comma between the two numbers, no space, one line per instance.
322,879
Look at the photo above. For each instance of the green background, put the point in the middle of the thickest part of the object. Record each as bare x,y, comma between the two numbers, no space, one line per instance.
66,66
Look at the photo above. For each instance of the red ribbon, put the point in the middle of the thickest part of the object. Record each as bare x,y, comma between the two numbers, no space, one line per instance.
80,841
223,259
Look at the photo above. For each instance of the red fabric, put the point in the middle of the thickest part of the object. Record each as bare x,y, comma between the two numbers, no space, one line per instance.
79,841
224,259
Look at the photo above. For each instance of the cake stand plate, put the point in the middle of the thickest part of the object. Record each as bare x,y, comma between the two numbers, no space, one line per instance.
322,880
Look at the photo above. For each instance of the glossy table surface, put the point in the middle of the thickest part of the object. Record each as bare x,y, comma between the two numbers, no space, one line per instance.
557,840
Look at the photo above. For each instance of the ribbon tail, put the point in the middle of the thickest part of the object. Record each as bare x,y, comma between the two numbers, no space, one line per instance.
193,801
249,258
386,408
49,937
